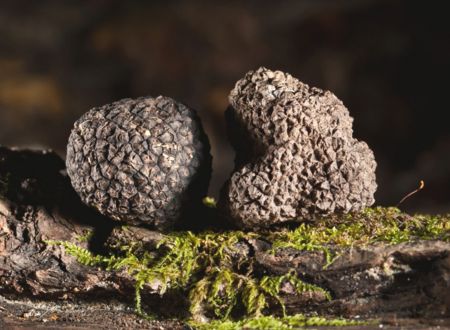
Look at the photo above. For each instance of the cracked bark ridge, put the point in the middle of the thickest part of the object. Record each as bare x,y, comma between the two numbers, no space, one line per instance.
394,281
37,203
296,157
141,161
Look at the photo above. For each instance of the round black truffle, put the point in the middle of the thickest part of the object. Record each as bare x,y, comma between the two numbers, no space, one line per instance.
296,157
141,161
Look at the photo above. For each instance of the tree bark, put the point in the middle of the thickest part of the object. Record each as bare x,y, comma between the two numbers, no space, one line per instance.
37,203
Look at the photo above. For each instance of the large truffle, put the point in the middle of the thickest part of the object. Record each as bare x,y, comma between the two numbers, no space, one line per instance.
142,161
296,158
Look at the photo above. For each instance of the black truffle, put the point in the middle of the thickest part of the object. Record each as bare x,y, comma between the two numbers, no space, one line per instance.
141,161
296,158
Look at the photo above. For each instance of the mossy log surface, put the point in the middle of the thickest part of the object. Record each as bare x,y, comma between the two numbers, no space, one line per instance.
404,283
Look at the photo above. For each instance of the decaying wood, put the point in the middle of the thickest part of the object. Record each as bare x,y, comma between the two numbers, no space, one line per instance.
38,204
408,279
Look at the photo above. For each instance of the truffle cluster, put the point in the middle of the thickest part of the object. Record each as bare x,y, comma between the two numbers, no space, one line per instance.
296,157
139,160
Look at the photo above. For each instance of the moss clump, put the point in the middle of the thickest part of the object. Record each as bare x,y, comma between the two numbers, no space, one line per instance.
86,236
279,323
222,284
204,266
210,202
379,224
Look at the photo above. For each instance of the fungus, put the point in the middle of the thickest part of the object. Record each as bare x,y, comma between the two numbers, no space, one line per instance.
141,161
296,158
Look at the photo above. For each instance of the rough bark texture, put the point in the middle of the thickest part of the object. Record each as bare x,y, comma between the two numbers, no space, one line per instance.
41,283
37,203
410,279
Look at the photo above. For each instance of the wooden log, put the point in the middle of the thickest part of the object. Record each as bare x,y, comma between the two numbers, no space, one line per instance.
37,203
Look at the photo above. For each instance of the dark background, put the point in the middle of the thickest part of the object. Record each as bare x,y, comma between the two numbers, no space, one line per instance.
389,61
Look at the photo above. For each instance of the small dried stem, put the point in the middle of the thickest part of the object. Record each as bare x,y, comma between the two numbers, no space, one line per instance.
421,186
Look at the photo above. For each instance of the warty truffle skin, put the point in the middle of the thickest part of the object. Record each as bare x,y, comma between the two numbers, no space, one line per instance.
296,158
140,161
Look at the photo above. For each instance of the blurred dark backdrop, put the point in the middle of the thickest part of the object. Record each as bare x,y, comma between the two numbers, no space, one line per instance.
389,61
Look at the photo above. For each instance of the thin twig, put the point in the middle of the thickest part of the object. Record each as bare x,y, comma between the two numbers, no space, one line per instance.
421,186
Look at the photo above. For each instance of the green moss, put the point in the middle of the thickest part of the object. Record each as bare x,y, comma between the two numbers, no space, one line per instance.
86,236
271,286
279,323
82,255
206,266
388,225
210,202
200,265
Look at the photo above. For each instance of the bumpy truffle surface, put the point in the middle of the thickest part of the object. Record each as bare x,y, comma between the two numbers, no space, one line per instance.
302,162
139,160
